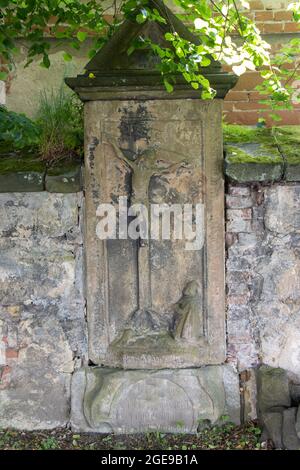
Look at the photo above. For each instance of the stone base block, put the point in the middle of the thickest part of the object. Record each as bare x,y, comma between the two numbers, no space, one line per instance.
130,401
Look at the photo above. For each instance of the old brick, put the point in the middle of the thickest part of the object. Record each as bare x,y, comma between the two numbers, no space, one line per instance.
264,16
255,96
248,81
248,118
283,15
256,5
251,105
291,27
234,202
237,96
228,106
239,191
270,28
12,353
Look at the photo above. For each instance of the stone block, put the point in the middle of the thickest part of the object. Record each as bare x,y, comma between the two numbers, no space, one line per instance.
64,177
233,202
112,400
35,385
297,425
137,318
25,174
24,215
253,161
282,209
272,389
289,436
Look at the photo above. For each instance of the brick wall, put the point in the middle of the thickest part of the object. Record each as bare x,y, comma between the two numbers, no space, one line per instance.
242,103
263,272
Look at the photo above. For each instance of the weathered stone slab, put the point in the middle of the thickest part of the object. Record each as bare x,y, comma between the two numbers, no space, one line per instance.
155,152
36,373
23,216
112,400
289,436
282,209
24,174
252,154
272,389
42,307
64,177
251,172
297,426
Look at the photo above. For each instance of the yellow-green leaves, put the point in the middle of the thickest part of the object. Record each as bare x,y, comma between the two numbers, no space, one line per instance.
168,86
81,36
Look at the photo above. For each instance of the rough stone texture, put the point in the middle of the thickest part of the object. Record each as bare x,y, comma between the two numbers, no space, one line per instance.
248,388
112,400
276,412
22,182
263,272
28,173
248,172
42,308
290,439
64,178
151,153
297,426
273,391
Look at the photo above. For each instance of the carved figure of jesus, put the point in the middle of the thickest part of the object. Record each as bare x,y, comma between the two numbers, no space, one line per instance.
147,163
153,161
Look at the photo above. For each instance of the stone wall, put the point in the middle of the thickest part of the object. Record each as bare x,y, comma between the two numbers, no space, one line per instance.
42,302
42,307
263,276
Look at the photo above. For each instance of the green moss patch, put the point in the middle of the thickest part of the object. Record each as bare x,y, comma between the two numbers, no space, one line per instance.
16,164
252,153
247,134
288,139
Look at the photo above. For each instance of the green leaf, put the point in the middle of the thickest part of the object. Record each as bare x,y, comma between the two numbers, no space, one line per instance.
67,57
205,62
195,85
275,117
140,18
46,61
130,50
4,3
169,37
3,76
81,36
168,86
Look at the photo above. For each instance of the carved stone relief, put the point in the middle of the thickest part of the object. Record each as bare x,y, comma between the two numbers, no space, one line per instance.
151,302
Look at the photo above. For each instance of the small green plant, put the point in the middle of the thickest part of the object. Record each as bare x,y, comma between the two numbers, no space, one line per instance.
49,444
60,118
17,131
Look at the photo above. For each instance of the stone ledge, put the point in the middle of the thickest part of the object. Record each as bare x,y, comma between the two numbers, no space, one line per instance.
29,174
261,154
251,155
65,177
